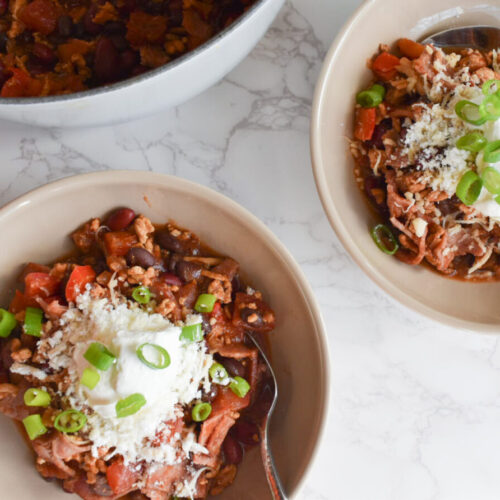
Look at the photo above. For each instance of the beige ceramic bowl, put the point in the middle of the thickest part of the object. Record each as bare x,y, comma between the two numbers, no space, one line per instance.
35,227
467,305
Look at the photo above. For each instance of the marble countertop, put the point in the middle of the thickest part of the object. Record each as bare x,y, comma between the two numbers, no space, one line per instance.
415,405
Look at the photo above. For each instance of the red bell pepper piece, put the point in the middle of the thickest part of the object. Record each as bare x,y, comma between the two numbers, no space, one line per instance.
384,66
40,285
78,279
365,123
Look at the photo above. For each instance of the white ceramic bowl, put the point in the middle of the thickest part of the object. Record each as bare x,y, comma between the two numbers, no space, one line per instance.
467,305
36,226
155,90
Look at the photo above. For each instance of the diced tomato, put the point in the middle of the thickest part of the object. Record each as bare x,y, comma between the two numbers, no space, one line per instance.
365,123
121,479
385,66
40,15
119,243
32,267
78,279
409,48
20,302
227,401
40,285
21,84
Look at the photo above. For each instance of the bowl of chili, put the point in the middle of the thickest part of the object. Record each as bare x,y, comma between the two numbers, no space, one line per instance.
66,64
298,346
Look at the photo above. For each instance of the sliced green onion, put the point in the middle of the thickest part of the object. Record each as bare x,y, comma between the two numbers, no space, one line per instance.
99,356
473,141
36,397
382,231
497,199
7,323
162,357
218,373
205,303
130,405
469,187
490,107
491,153
378,88
239,386
201,411
491,180
469,112
33,322
90,378
192,333
487,87
34,426
141,294
371,97
70,421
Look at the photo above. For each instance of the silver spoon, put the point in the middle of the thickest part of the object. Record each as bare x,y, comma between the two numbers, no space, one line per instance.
273,479
478,37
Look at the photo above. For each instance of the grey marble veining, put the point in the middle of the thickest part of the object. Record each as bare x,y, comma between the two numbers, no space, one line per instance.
415,405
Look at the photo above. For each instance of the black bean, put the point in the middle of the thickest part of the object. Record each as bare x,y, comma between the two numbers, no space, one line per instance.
251,317
188,271
137,256
169,242
115,28
3,41
234,367
25,37
65,26
79,30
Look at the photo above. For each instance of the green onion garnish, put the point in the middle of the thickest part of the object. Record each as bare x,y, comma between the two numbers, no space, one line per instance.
162,357
497,199
130,405
201,411
473,141
371,97
205,303
239,386
490,107
380,233
487,87
99,356
218,373
34,426
192,333
33,322
491,153
469,112
90,378
141,294
36,397
469,187
7,323
491,180
70,421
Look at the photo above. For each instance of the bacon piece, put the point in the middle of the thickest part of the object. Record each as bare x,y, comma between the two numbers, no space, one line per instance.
161,480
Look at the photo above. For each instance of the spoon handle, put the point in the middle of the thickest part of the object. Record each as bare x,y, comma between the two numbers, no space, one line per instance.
270,468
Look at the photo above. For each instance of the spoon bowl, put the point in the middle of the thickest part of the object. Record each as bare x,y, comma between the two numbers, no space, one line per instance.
480,37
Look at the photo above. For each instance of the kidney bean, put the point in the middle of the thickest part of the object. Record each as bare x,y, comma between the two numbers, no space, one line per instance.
44,54
120,219
65,26
129,59
251,317
4,4
234,367
4,74
106,61
173,261
138,256
232,450
246,432
171,279
88,21
188,271
169,242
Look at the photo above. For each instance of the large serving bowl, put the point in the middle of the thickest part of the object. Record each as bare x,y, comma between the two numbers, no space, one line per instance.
36,226
468,305
161,88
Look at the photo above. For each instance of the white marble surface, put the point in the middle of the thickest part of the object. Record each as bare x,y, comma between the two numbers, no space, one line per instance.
415,405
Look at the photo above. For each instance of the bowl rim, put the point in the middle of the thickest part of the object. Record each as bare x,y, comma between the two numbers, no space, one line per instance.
138,177
332,212
135,80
